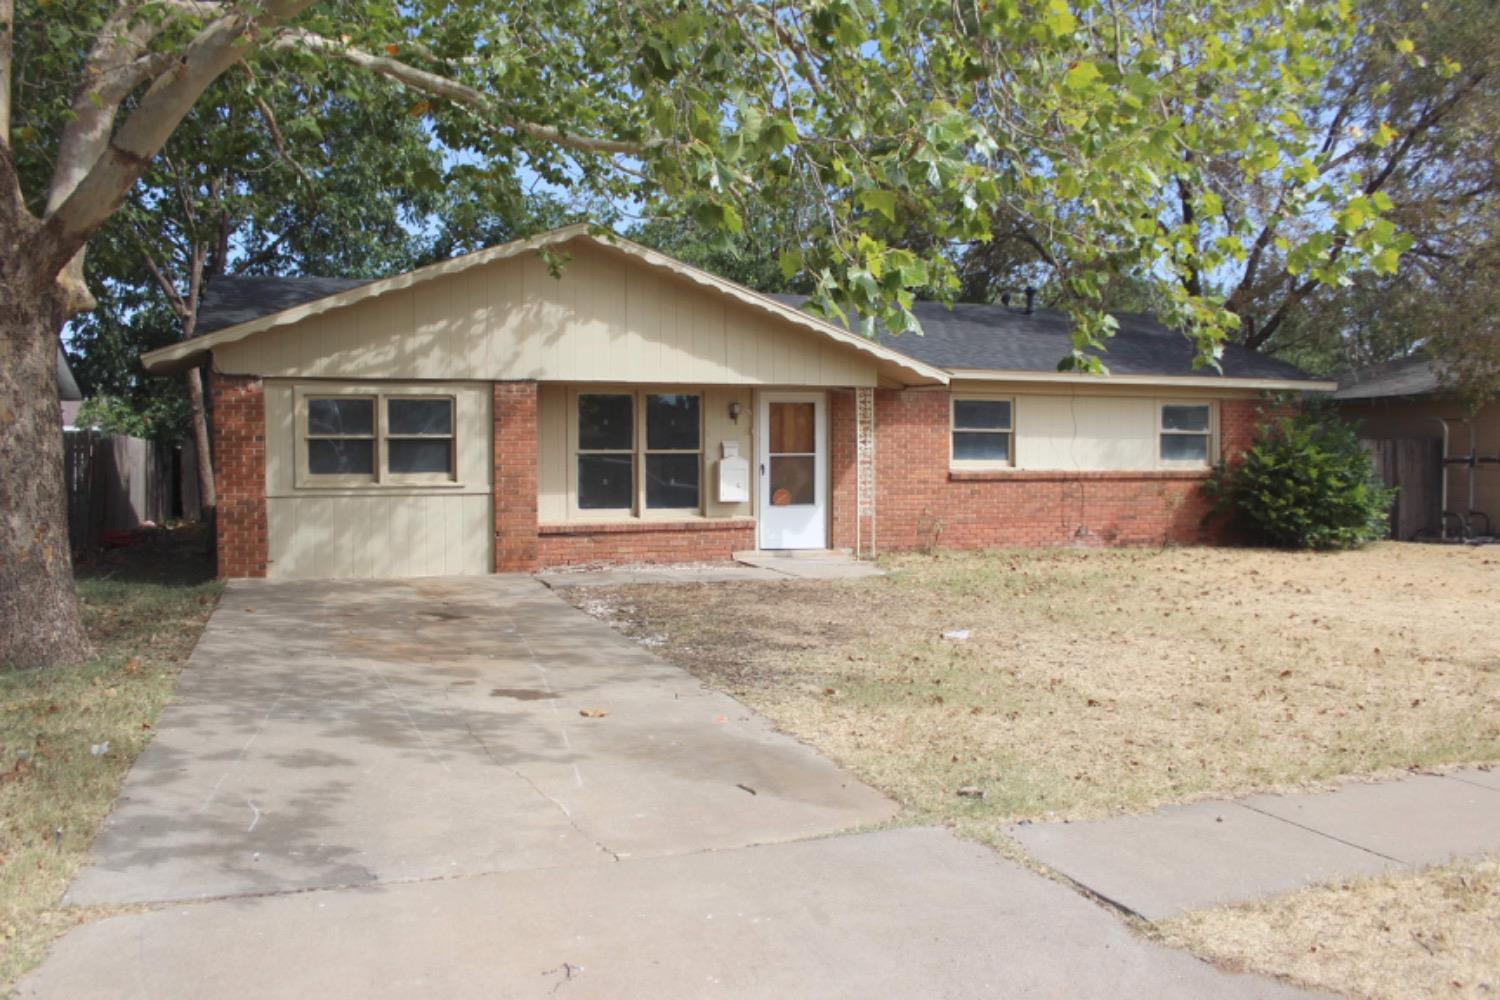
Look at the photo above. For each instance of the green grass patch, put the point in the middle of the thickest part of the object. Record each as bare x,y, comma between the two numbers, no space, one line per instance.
69,734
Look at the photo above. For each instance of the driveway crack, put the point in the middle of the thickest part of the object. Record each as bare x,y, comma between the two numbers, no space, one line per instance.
567,814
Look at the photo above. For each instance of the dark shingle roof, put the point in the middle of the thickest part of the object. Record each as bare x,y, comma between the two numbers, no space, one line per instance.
1407,377
67,385
1001,338
229,301
986,337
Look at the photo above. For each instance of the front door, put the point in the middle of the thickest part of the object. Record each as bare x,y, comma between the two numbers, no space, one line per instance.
793,446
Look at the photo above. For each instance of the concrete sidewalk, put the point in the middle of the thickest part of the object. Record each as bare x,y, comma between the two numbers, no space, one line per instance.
1212,853
902,913
747,567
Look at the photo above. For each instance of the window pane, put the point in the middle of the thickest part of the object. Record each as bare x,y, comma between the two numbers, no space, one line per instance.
341,416
1184,447
672,480
605,422
981,414
604,481
981,447
1184,418
340,456
418,416
792,480
793,428
672,423
405,456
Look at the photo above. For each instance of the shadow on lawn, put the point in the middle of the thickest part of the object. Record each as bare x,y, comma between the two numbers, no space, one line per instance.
180,556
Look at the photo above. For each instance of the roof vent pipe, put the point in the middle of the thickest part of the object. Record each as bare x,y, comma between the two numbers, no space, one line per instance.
1030,300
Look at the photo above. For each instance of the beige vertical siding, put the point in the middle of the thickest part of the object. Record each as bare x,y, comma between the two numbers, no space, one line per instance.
605,319
380,531
1072,432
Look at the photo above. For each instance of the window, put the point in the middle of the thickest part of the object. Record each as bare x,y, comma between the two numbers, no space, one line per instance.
341,436
606,451
419,437
367,439
982,430
639,452
674,445
1186,430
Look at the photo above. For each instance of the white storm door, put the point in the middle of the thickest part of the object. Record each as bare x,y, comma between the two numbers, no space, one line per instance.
793,455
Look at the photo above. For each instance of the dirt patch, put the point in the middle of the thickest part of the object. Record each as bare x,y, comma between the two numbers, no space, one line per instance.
1434,933
1093,682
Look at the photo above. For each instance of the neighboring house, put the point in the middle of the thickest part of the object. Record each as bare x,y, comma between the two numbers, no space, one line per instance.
1405,401
481,415
68,393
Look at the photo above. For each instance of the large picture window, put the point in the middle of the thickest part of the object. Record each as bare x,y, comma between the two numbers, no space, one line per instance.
377,438
982,432
638,452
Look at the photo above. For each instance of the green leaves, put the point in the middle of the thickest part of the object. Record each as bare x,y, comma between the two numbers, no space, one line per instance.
883,202
1308,483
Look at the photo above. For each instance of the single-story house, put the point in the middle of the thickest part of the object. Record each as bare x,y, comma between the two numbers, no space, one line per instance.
1402,404
483,414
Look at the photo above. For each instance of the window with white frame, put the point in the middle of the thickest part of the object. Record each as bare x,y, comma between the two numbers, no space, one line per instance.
368,439
1185,433
638,452
982,432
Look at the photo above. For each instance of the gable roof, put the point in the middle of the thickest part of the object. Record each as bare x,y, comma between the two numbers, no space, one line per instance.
975,340
1404,378
966,341
187,353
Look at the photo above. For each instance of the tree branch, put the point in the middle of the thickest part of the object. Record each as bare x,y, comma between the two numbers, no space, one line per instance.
457,93
75,217
269,117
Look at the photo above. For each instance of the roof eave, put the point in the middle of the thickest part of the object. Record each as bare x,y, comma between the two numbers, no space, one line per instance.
1183,381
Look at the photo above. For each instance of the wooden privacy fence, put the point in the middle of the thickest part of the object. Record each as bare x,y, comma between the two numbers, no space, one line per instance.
115,483
1415,467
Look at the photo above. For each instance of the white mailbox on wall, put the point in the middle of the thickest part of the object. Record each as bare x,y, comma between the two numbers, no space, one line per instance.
734,474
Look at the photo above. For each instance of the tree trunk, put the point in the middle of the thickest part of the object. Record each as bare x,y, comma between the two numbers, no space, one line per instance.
39,621
206,494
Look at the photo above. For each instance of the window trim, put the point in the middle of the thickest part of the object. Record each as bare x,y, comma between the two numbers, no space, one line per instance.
981,464
381,477
1210,435
637,511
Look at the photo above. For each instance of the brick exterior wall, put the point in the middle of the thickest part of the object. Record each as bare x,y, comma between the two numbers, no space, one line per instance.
644,542
239,432
921,504
515,500
843,473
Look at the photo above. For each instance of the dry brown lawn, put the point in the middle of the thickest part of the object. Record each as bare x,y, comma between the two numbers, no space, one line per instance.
1096,682
1410,936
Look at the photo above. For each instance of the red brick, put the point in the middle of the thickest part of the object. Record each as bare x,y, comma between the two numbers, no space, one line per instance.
239,429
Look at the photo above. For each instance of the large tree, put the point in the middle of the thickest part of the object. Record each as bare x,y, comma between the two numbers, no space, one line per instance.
888,113
1407,117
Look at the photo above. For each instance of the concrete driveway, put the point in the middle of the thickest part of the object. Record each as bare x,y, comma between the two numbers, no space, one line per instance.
429,755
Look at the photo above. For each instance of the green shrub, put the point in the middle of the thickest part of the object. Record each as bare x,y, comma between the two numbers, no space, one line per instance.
1305,483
